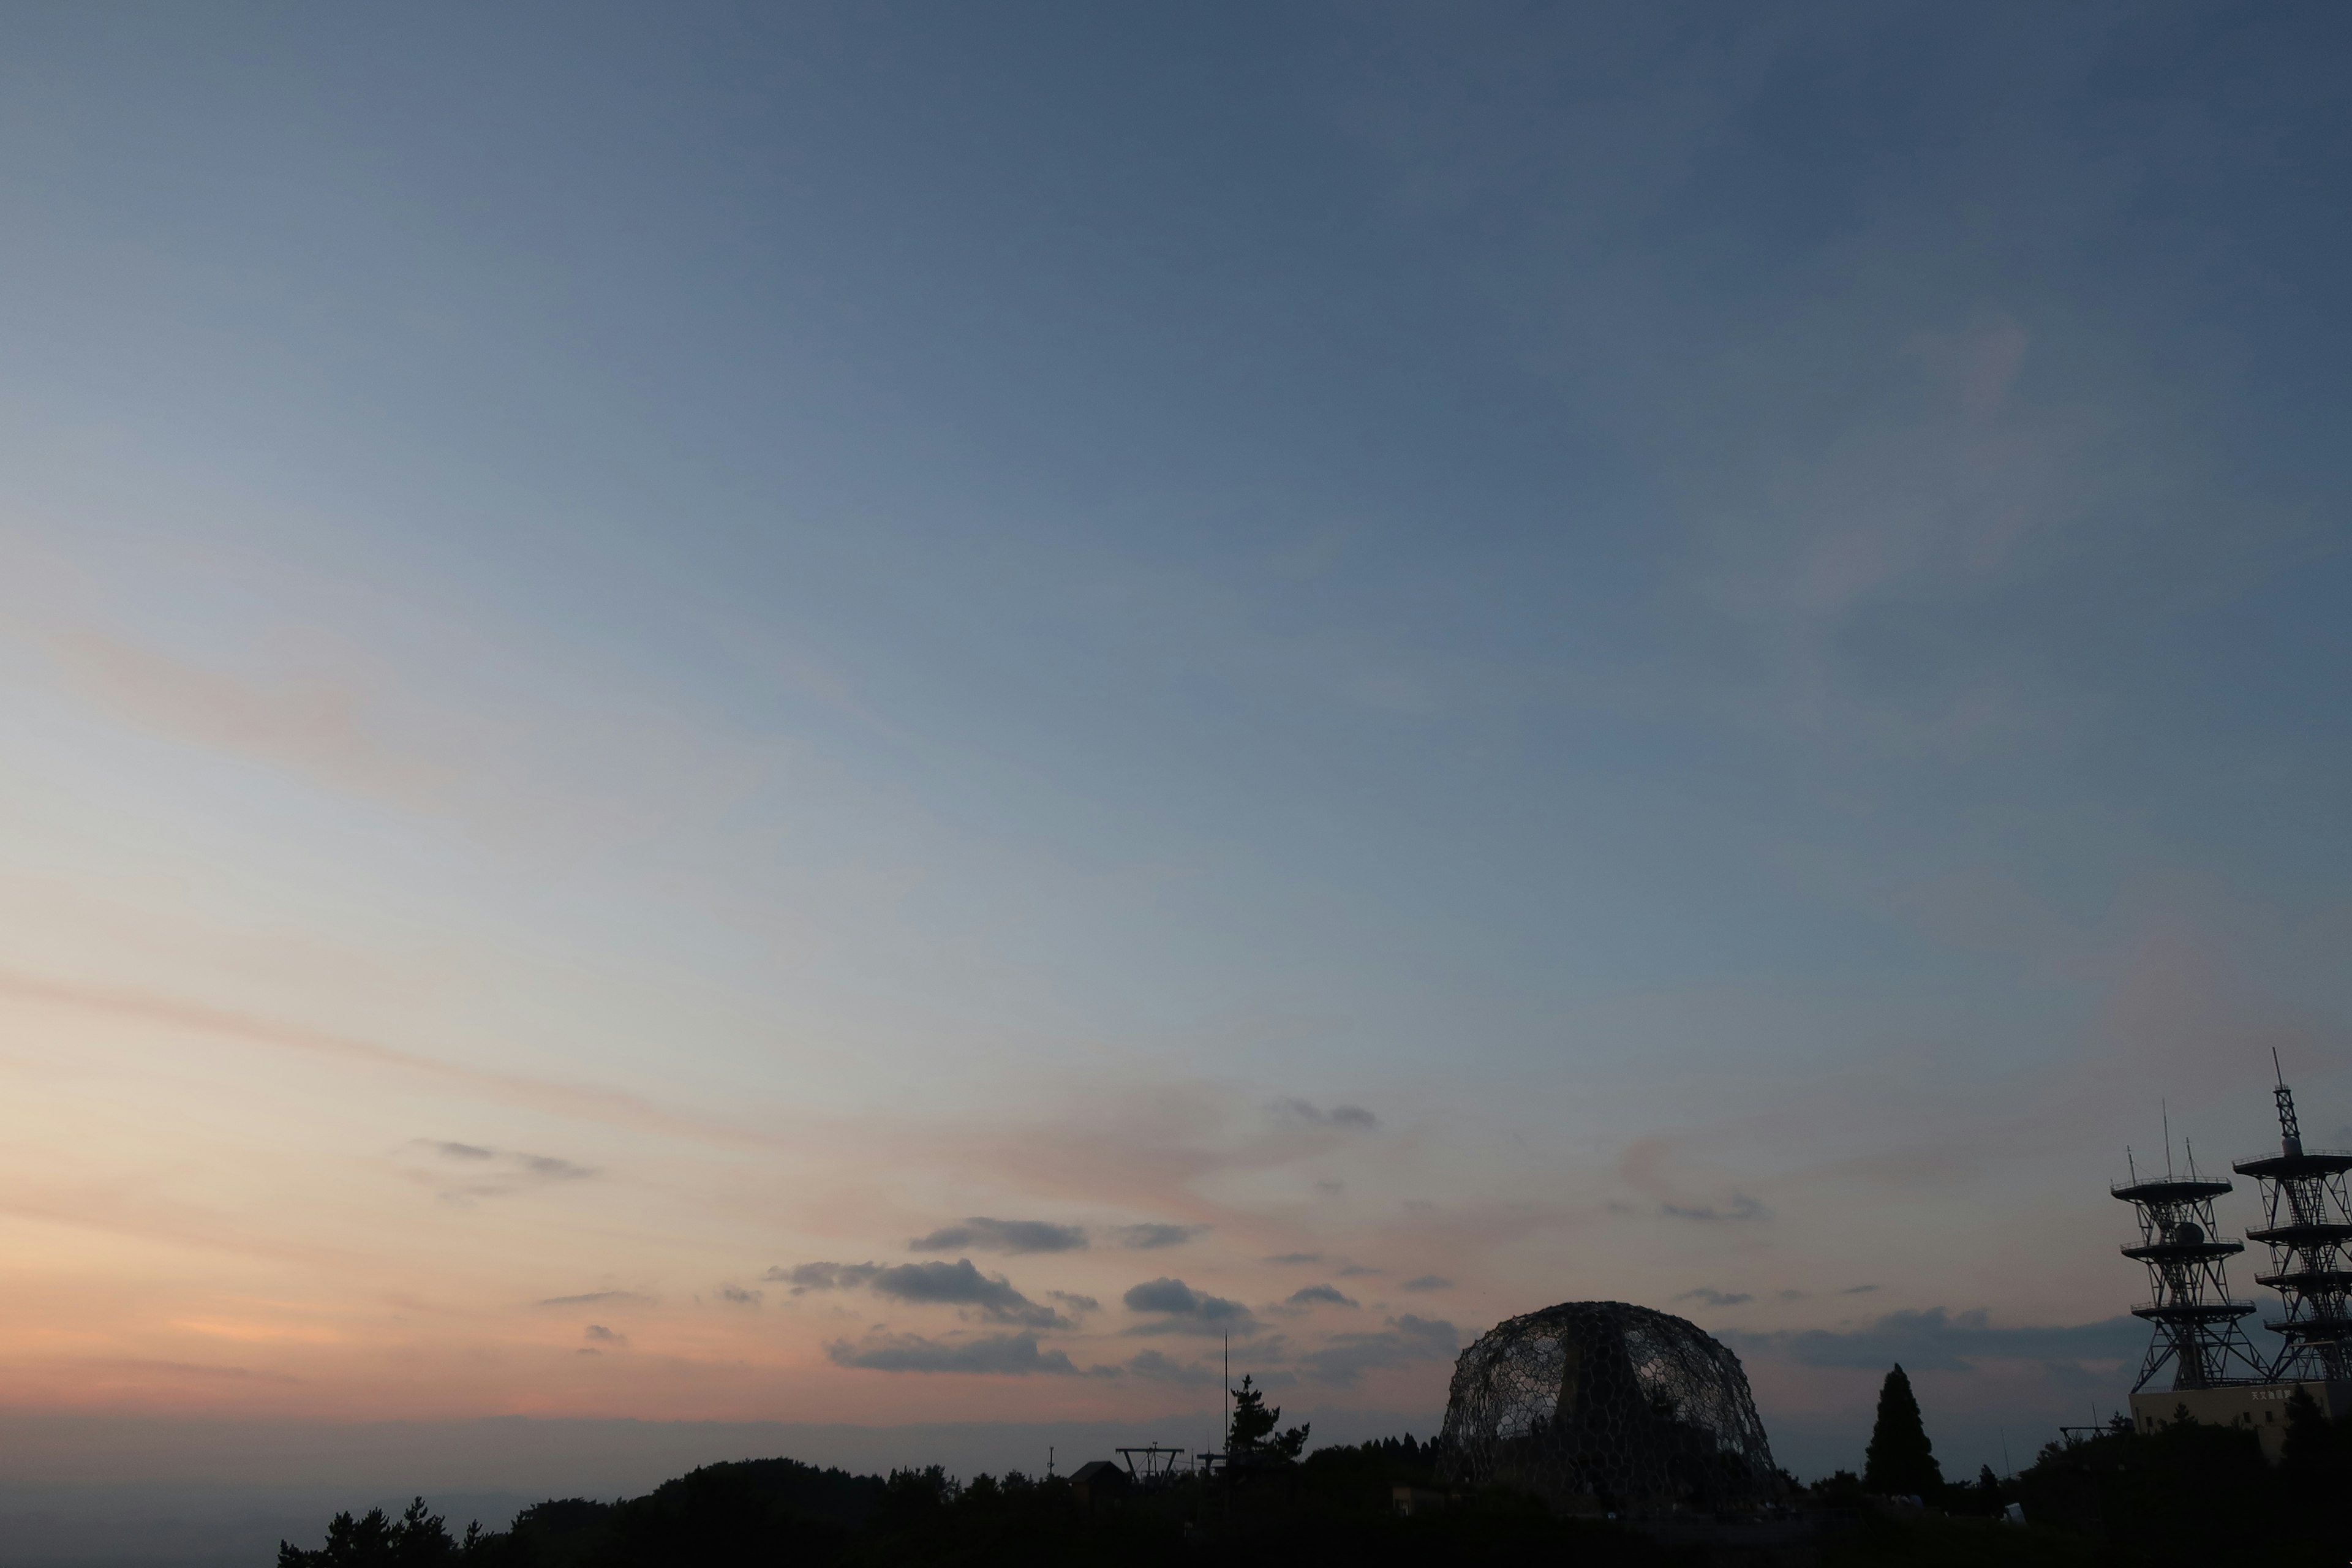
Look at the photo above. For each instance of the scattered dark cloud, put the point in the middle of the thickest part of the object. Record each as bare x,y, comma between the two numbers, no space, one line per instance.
1075,1302
1741,1207
604,1336
957,1284
1937,1340
619,1298
1296,1257
1715,1298
961,1284
740,1296
1158,1368
982,1234
1338,1116
1186,1311
806,1276
1429,1282
490,1172
548,1168
1857,1289
1147,1237
999,1355
1312,1294
1407,1340
1359,1271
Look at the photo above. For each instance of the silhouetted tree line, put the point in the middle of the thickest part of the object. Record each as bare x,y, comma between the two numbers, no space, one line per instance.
783,1512
2181,1494
2187,1492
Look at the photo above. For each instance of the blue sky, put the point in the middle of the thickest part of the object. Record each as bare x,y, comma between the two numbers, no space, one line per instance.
844,620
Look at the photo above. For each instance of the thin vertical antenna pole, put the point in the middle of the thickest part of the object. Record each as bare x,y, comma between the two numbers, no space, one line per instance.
2129,1166
2167,1109
2277,1071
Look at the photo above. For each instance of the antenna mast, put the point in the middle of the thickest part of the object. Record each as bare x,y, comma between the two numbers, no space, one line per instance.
2307,1226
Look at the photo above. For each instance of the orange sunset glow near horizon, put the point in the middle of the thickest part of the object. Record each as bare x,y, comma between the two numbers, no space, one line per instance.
879,734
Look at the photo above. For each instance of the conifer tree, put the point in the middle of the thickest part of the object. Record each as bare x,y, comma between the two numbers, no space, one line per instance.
1900,1462
1253,1425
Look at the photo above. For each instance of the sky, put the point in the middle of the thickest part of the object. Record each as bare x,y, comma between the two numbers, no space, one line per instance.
880,718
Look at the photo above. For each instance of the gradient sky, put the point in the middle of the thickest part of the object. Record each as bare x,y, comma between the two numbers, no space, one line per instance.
1380,665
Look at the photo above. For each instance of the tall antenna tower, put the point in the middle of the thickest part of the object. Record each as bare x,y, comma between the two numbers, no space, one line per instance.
2306,1225
2197,1331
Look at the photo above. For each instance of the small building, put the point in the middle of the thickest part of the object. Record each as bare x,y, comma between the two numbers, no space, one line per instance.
1408,1500
1100,1480
2260,1407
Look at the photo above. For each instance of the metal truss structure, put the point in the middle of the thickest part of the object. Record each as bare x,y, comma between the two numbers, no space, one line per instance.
1602,1407
2307,1226
2197,1332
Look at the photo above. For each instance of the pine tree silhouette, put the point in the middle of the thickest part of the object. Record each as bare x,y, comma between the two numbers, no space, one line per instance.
1253,1425
1900,1461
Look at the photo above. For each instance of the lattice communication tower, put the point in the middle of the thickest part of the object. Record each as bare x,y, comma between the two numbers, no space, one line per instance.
2197,1332
1609,1407
2307,1226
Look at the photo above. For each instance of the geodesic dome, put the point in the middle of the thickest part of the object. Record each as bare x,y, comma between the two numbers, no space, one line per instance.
1604,1405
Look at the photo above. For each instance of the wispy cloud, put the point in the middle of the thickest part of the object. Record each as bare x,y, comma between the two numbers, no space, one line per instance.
1354,1116
327,730
1740,1209
957,1284
999,1355
612,1106
629,1298
982,1234
1715,1298
190,1370
1150,1238
1937,1340
1428,1282
468,1172
1317,1295
1156,1367
1345,1358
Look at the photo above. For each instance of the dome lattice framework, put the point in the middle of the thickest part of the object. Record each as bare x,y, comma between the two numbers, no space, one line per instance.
1609,1406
